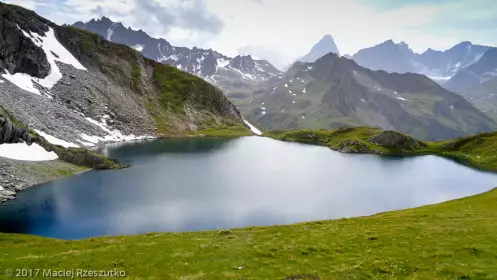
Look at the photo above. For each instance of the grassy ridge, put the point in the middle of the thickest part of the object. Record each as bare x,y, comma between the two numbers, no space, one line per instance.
178,102
478,151
452,240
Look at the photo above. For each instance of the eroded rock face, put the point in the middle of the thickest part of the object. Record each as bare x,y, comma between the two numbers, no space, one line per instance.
18,54
353,146
10,134
395,140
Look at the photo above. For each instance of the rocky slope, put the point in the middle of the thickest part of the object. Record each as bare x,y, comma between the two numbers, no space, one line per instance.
226,72
483,96
478,83
335,91
79,87
438,65
16,175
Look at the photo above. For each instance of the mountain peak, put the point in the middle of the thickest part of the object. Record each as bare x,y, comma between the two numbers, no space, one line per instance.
327,39
324,46
105,19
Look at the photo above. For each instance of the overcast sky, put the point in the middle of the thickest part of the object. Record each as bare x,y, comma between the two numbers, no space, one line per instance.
282,30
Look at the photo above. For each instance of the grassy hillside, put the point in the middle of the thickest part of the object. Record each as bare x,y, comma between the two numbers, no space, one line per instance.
477,151
177,102
452,240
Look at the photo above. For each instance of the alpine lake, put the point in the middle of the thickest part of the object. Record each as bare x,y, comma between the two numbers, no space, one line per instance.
193,184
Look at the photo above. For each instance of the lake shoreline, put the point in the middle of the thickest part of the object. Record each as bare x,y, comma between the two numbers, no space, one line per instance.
21,175
473,151
353,246
15,183
10,188
160,178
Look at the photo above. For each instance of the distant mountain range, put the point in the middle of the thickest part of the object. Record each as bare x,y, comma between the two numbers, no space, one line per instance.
229,73
324,90
438,65
335,91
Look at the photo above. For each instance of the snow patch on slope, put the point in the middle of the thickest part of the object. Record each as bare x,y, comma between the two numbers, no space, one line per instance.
56,141
222,62
253,128
110,31
138,47
21,151
50,46
112,135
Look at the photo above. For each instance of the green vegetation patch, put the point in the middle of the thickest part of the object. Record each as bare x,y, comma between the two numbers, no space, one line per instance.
452,240
224,131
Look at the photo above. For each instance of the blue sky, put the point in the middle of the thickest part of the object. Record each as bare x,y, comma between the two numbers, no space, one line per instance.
281,30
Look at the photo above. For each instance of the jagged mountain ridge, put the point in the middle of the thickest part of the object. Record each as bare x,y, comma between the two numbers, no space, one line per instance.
438,65
86,90
335,91
225,72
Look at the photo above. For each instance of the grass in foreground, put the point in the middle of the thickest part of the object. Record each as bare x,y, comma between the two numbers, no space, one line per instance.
452,240
478,151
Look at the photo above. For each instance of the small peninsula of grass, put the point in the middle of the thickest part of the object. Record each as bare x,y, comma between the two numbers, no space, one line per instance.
224,131
478,151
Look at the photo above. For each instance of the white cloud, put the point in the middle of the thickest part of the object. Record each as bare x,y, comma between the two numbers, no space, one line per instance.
292,27
282,30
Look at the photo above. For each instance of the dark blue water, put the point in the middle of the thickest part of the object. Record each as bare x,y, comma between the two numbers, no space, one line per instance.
201,184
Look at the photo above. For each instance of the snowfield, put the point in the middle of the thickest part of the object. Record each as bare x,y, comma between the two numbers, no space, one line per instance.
21,151
253,128
50,46
138,47
56,141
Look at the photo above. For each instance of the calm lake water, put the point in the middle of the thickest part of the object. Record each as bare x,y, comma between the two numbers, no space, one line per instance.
201,184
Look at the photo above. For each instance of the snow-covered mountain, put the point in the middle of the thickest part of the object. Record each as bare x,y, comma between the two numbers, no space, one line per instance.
216,68
475,74
322,48
438,65
445,64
